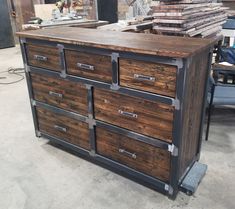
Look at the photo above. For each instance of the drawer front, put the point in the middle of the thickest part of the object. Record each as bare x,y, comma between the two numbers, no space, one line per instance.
142,116
65,128
44,57
147,76
60,93
137,155
90,66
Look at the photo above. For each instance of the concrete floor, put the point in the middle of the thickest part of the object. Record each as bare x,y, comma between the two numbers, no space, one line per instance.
36,175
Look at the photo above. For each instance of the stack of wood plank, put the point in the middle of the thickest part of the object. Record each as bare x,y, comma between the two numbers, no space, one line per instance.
200,18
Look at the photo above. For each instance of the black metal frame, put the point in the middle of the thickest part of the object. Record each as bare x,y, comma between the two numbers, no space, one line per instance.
170,188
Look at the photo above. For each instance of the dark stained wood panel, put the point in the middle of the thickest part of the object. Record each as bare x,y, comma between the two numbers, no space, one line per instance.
43,57
195,86
178,47
155,78
60,93
89,65
138,155
65,128
146,117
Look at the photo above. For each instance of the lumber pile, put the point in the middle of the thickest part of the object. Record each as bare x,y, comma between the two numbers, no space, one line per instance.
193,18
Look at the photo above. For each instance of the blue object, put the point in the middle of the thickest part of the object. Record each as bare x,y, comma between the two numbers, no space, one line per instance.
227,55
230,24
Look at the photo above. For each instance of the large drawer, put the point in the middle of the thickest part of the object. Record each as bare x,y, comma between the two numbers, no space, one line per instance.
65,128
148,76
61,93
146,117
87,65
135,154
43,56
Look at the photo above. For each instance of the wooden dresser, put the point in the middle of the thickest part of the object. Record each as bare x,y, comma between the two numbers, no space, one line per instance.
130,102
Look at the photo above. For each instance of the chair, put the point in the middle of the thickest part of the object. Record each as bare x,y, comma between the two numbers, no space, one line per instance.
222,90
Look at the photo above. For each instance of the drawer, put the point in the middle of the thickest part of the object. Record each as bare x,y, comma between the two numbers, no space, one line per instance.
65,128
61,93
87,65
147,76
142,116
43,56
137,155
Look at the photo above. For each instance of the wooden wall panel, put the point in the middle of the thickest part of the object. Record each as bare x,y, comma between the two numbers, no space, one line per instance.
195,83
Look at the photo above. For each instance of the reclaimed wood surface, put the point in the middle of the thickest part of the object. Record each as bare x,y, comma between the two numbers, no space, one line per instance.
149,160
146,117
196,84
102,66
140,43
50,53
65,128
61,93
162,78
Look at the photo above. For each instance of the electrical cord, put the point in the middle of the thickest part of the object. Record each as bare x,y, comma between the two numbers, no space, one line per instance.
12,71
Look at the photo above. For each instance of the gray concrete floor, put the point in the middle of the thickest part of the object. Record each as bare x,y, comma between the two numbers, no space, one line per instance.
36,175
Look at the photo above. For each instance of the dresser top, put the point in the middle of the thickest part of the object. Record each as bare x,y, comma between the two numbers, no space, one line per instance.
168,46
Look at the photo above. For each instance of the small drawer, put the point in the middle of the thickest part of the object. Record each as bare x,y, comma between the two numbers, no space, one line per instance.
65,128
43,56
61,93
135,154
142,116
87,65
147,76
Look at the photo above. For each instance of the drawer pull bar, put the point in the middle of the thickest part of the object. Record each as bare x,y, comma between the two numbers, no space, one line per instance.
59,128
128,114
132,155
40,58
144,77
54,94
85,67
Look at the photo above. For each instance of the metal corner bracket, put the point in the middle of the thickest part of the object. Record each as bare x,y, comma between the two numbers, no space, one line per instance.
173,150
60,47
88,86
115,56
169,189
22,40
63,74
91,122
33,102
176,104
27,68
38,134
92,153
115,87
179,63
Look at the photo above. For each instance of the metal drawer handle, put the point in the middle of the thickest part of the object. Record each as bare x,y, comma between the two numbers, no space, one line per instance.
60,128
85,67
144,77
132,155
54,94
40,58
128,114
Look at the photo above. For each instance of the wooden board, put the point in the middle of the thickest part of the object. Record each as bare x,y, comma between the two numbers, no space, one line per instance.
139,43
